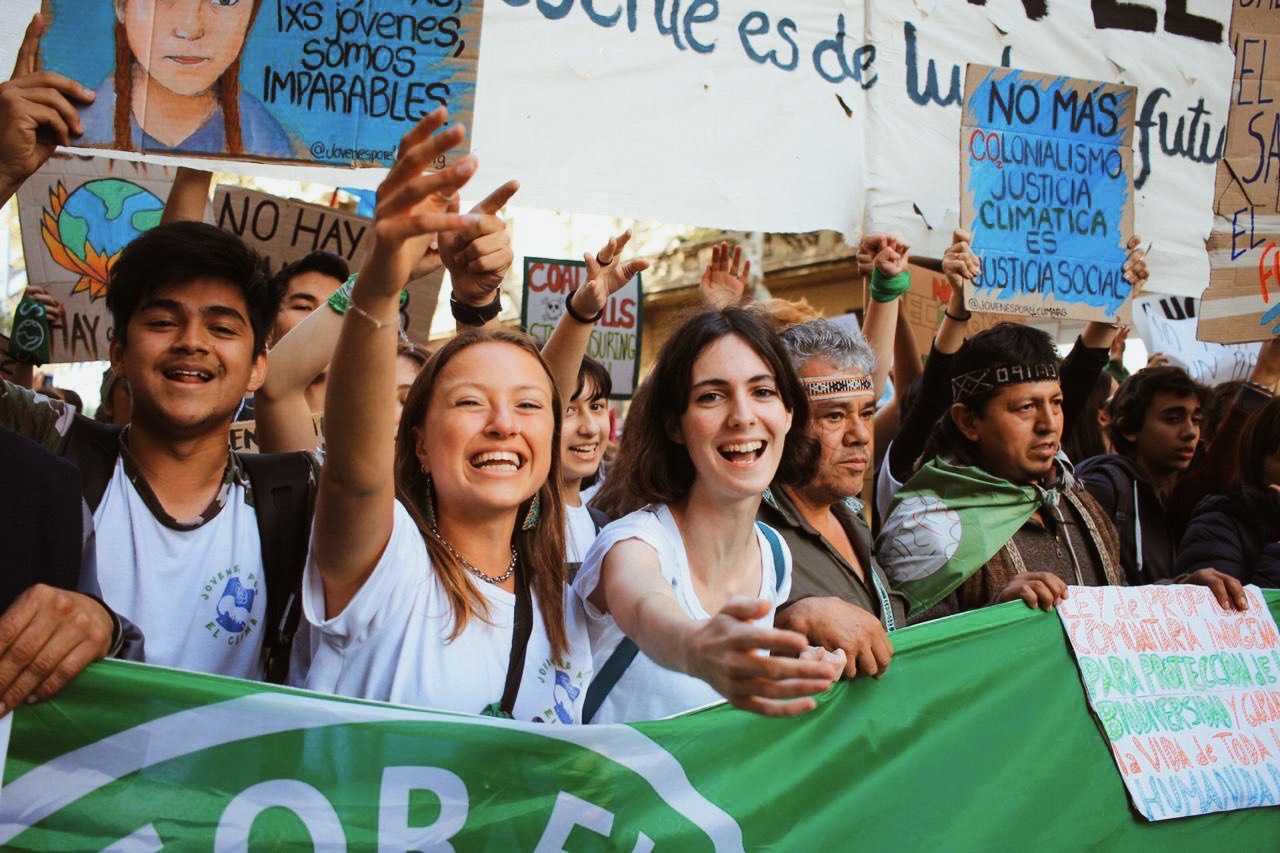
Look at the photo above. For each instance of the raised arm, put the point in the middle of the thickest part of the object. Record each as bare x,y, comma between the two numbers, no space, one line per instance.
281,412
38,113
723,651
884,257
606,275
188,196
356,496
724,280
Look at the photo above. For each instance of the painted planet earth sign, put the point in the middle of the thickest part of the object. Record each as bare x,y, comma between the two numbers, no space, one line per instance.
106,214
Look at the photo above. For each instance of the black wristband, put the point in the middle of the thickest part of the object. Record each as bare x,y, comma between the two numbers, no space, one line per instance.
568,306
117,627
475,315
963,319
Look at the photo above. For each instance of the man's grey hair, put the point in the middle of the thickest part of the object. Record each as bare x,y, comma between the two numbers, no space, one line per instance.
823,339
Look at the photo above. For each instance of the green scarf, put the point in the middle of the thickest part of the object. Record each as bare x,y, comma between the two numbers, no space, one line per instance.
946,523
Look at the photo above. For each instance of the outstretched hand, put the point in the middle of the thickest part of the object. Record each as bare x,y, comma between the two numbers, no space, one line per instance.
54,311
413,205
887,253
1227,590
606,275
724,280
725,653
38,112
479,255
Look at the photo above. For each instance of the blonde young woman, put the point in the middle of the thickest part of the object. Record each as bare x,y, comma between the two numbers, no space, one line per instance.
436,574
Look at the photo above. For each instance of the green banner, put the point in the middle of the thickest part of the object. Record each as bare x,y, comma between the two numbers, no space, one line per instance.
978,737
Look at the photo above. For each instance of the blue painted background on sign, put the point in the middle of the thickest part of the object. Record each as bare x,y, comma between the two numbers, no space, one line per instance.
1049,189
342,79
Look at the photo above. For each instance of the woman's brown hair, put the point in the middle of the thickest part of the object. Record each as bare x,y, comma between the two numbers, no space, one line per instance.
540,551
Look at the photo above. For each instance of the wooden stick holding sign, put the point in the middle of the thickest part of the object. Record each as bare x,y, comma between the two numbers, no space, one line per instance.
1046,187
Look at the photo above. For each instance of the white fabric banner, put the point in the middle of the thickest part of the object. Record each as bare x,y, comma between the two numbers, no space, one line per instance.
795,115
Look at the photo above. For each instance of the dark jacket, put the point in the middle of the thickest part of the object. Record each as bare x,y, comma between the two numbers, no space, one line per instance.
1236,533
1128,497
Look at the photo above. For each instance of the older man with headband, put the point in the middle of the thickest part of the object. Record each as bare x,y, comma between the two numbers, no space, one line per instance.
996,514
839,597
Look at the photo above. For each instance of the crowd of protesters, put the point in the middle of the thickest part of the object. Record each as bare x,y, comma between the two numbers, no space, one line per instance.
453,540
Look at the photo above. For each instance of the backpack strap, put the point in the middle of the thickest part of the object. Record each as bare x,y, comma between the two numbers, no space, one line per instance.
598,517
626,651
283,496
779,562
93,447
608,676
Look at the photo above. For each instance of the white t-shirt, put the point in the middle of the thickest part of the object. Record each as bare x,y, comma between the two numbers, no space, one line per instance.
647,691
887,487
391,642
198,593
579,532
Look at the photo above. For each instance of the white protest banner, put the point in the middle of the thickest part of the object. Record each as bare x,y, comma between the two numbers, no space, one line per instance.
285,230
1187,694
77,214
1167,324
1046,188
615,340
798,115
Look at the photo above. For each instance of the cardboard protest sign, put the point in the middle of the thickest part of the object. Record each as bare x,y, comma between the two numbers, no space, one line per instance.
615,340
285,230
1167,324
1242,302
1046,188
77,214
322,81
1187,694
924,303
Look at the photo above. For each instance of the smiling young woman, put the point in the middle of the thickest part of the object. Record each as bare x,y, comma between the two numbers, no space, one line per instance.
719,416
436,575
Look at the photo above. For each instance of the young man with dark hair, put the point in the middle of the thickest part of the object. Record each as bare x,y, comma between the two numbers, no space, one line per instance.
307,283
179,546
1155,427
997,514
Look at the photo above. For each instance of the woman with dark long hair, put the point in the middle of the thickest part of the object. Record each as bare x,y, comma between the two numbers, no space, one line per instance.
688,584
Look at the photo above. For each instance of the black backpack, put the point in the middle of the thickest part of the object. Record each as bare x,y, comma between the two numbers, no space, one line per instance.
283,505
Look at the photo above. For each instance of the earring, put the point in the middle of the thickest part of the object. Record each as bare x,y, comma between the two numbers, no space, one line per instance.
533,515
429,510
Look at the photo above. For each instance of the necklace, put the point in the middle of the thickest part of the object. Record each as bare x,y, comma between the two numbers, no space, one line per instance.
466,564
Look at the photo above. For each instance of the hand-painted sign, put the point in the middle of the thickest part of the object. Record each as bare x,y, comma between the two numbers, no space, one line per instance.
1046,188
1242,302
77,214
285,229
1187,694
322,81
615,340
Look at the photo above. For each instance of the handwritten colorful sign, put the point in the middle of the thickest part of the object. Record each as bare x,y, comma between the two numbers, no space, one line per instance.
77,214
1242,302
1046,188
322,81
1187,694
615,340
